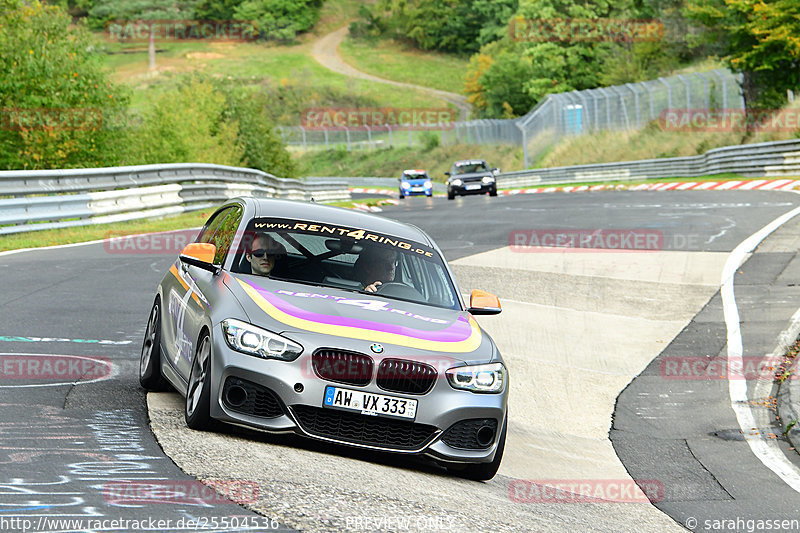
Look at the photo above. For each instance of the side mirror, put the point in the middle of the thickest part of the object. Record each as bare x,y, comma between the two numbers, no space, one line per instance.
495,171
483,303
446,173
201,255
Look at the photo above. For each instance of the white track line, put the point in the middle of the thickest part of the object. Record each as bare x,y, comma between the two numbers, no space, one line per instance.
766,450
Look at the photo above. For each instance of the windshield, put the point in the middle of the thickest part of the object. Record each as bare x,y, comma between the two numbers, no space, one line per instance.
468,167
348,258
415,176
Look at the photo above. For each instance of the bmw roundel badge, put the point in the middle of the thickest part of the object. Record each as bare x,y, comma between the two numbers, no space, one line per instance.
377,348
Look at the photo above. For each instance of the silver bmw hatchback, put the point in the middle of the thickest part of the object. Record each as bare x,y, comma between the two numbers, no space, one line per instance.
333,324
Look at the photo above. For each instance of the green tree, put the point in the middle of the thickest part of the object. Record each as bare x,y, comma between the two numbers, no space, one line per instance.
142,11
188,124
263,148
216,9
455,26
56,102
759,38
280,19
504,83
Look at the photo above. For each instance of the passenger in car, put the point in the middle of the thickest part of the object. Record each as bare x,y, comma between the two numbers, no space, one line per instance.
265,253
375,266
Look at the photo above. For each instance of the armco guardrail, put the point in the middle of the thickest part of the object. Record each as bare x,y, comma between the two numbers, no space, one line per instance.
47,199
773,159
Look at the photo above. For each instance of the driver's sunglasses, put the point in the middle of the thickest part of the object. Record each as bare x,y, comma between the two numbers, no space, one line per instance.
261,252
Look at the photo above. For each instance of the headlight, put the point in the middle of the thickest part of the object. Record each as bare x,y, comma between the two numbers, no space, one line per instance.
488,179
456,182
479,378
428,184
405,185
252,340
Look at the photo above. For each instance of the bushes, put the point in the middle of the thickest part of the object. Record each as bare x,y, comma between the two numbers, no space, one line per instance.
183,125
54,95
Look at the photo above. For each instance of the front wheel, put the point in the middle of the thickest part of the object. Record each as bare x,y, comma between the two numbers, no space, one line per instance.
484,471
402,196
150,361
198,394
450,195
493,192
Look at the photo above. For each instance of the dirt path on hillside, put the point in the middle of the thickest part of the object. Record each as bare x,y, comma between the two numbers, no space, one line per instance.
326,51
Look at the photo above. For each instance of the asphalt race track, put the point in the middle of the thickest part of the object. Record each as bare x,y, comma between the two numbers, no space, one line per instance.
591,337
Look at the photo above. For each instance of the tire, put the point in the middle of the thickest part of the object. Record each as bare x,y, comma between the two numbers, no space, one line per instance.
198,393
493,192
401,196
484,471
150,377
450,195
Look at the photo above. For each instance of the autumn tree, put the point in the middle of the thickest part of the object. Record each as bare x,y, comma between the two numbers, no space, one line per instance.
58,108
760,39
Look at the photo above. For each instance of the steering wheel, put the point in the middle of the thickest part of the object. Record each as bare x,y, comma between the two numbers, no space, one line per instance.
399,290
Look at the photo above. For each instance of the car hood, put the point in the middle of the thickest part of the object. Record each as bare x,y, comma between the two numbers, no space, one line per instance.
473,175
314,312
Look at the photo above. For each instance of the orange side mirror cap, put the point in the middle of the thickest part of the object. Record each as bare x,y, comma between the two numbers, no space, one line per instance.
483,303
201,255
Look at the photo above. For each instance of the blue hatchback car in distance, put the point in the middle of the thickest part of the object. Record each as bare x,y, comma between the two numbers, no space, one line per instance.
415,182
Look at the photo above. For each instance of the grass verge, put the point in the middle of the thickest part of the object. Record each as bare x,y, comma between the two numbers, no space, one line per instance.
392,60
37,239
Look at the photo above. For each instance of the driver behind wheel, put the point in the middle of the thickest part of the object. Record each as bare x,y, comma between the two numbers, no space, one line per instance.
264,254
375,266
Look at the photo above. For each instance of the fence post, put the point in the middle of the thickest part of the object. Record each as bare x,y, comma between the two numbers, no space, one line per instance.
688,92
652,100
585,110
347,133
391,142
669,92
369,136
635,103
706,91
724,89
409,135
304,136
524,144
327,144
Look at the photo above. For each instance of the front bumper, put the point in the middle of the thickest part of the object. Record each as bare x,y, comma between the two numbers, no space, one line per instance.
302,412
416,191
473,188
